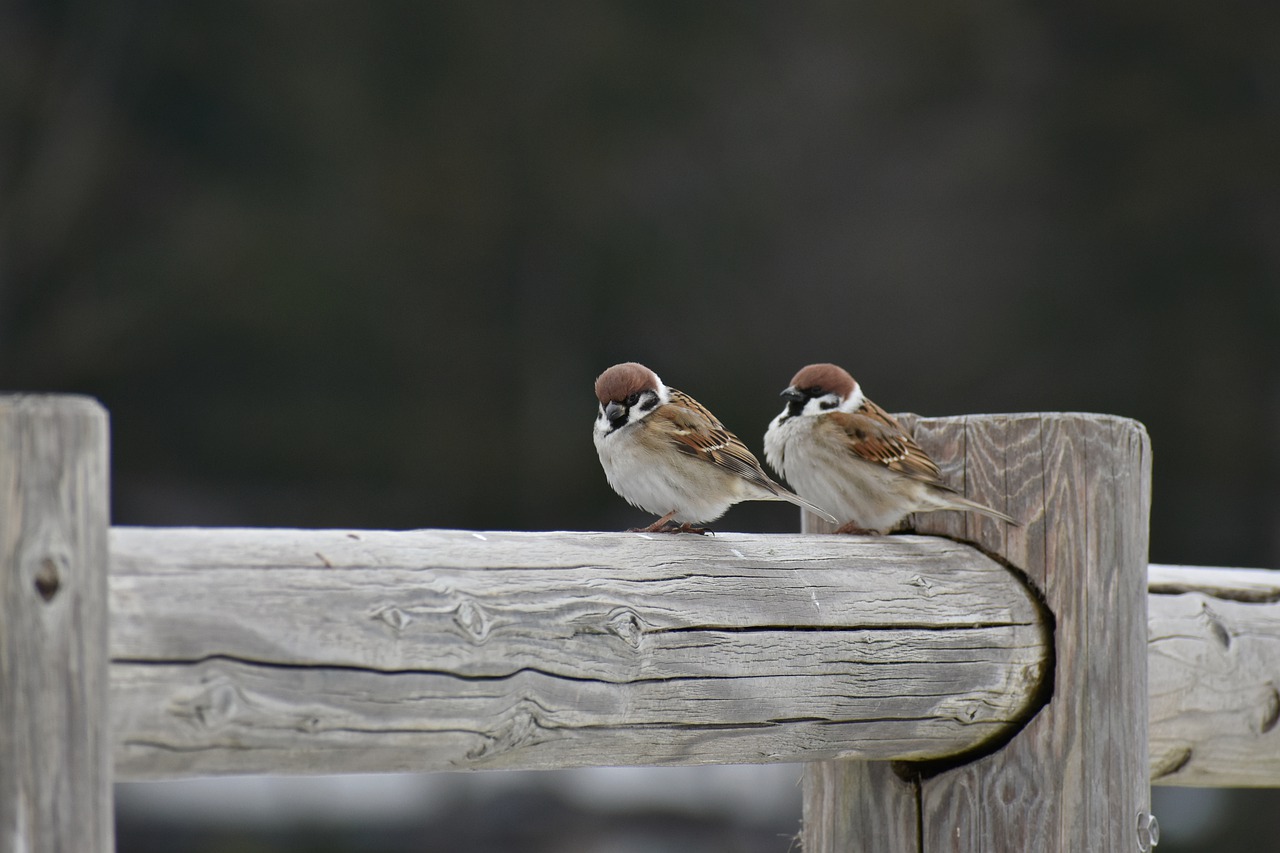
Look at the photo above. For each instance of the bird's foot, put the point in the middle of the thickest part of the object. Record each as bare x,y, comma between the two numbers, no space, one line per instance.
850,527
665,525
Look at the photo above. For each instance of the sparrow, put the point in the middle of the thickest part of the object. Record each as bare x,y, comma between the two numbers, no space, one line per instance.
837,448
665,453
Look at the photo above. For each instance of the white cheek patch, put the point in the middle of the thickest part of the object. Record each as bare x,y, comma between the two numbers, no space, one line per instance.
855,401
821,405
646,405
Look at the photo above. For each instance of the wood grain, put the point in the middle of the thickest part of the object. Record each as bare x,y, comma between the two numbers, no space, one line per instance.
253,651
1214,651
55,771
859,805
1074,778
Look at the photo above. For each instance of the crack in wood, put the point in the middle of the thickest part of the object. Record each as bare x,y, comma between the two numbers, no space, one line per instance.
498,677
1244,596
804,629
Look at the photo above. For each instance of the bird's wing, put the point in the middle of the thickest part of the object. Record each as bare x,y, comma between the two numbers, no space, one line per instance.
695,431
872,434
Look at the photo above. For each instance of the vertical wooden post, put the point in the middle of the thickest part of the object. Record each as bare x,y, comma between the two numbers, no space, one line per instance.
55,759
1075,778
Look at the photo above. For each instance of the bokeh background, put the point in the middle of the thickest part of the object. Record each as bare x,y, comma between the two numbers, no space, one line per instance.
357,265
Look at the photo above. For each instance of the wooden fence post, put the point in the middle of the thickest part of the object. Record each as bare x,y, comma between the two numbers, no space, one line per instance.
1076,777
55,759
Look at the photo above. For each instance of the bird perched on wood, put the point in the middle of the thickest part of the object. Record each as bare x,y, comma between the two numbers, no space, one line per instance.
837,448
666,454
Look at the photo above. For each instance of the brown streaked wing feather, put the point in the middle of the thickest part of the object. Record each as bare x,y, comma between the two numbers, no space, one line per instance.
697,432
684,401
872,434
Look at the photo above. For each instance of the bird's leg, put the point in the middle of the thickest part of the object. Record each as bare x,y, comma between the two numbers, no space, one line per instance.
659,526
850,527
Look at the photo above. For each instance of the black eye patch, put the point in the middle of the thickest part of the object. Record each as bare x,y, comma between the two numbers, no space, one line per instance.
632,399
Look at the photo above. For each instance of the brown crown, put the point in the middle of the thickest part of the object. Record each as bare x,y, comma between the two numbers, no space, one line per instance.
828,378
622,380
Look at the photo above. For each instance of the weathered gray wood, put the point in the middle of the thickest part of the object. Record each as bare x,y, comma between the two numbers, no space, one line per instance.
55,771
1214,651
857,806
1075,778
329,651
1258,586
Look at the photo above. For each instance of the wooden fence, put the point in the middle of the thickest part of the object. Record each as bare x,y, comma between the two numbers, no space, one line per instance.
985,688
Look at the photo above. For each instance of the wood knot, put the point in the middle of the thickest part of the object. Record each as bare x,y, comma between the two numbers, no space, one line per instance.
308,724
393,616
48,581
1172,763
1270,710
625,624
964,710
922,582
211,708
522,727
473,619
1216,626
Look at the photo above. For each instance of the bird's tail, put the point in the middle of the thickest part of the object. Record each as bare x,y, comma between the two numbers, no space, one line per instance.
792,497
985,510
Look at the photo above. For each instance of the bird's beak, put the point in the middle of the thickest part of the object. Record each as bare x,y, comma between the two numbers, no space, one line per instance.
613,411
791,395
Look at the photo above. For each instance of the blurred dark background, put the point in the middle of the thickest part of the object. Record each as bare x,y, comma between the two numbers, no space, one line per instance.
357,265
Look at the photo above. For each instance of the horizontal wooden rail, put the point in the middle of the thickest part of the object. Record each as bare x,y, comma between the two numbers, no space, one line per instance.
252,651
239,651
286,651
1214,663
